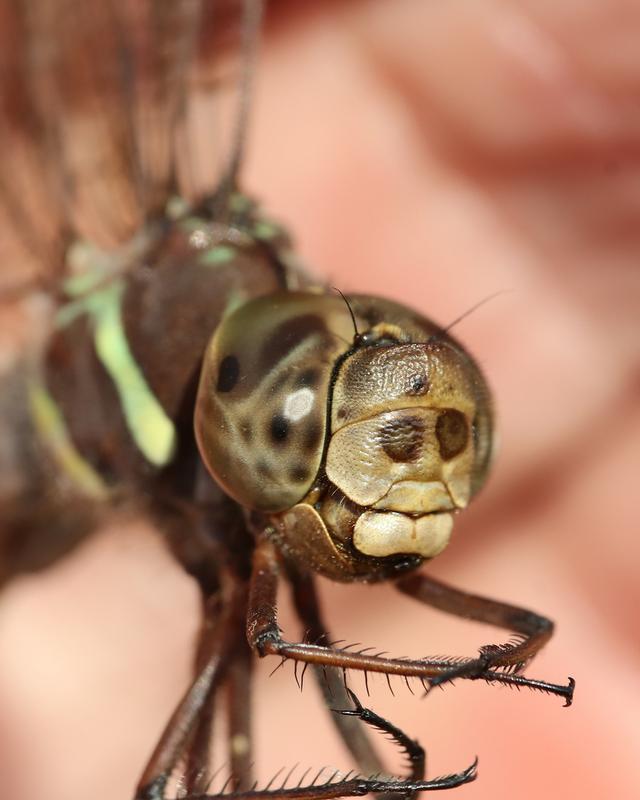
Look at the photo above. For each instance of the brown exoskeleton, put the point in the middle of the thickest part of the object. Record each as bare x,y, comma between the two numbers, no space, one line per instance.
272,429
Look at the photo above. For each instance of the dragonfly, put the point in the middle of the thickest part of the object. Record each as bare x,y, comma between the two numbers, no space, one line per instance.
270,427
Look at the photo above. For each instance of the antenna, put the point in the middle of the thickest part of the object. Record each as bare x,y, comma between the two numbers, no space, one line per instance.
357,336
474,308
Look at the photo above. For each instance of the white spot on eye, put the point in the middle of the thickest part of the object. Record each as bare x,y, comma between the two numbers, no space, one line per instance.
298,404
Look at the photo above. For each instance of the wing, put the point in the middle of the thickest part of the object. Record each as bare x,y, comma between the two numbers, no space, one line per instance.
106,110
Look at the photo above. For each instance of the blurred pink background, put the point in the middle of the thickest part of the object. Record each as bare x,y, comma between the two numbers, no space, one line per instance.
435,153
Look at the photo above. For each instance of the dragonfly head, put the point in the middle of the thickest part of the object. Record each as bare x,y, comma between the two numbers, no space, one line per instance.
359,449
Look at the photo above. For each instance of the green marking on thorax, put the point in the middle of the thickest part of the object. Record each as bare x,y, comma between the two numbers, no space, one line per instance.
176,207
51,426
218,255
150,427
239,203
79,285
264,229
193,223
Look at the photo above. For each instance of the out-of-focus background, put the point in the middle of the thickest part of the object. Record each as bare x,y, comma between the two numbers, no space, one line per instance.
434,152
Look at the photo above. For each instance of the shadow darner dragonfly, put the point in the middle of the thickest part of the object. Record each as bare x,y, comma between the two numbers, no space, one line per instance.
270,427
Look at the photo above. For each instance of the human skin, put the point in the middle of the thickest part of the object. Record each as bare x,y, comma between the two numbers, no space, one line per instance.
434,153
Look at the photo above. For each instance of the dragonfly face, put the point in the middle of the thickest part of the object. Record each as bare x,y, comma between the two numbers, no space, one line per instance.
343,434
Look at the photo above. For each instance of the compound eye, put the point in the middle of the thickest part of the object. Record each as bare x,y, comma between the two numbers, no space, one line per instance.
452,433
262,403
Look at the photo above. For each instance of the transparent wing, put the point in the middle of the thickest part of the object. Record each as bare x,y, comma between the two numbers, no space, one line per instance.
106,110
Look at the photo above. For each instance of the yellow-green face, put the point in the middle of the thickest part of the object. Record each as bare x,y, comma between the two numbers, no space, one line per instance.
402,444
364,447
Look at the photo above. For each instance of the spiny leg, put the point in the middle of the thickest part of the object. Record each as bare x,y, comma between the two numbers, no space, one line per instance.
413,749
264,635
357,786
330,679
533,630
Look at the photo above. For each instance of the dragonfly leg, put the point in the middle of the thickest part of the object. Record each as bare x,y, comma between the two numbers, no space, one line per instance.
196,754
187,732
413,749
532,630
338,785
238,698
235,692
264,636
330,679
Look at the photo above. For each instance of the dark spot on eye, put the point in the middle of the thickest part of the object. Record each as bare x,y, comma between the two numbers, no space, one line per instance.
246,430
279,428
452,432
309,377
312,437
418,384
228,374
286,336
299,474
342,413
402,438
